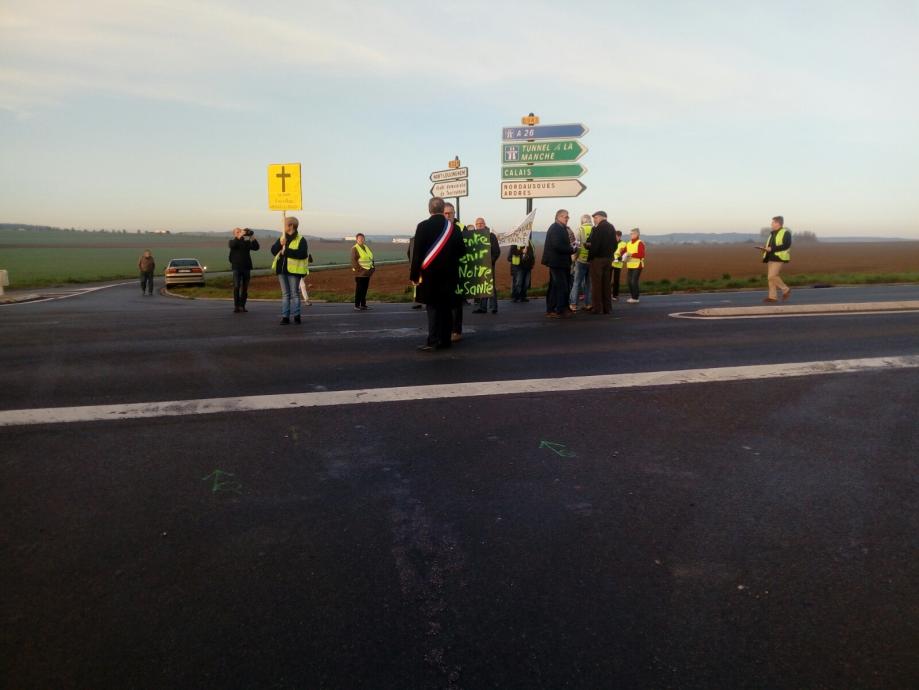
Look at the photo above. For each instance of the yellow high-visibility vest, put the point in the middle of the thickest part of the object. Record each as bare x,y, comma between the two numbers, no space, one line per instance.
298,267
631,248
365,256
617,255
586,229
784,255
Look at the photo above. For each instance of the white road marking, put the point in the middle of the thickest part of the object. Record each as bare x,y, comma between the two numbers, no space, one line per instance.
95,413
783,311
67,295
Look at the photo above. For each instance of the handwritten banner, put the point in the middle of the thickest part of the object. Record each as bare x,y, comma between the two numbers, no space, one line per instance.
520,234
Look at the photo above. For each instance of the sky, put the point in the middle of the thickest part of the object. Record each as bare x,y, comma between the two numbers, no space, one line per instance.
703,116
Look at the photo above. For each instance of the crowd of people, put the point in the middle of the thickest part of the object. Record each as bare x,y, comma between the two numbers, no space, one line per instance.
584,264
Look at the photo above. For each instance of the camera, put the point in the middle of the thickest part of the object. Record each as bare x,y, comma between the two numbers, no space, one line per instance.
247,232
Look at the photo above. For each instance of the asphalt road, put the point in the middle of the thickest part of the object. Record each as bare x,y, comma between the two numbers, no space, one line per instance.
753,534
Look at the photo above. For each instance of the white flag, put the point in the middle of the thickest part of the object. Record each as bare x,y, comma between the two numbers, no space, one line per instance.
519,235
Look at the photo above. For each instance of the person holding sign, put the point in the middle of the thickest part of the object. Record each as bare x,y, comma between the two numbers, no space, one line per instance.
363,267
494,254
290,264
437,249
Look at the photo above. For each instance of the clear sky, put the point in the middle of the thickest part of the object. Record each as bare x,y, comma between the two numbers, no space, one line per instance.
703,116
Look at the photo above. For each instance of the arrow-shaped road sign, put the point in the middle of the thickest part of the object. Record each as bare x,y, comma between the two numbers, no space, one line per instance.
522,133
452,174
542,151
533,172
541,189
453,188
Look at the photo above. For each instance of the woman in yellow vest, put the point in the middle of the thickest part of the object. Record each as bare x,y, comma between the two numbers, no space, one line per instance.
775,254
634,257
290,263
362,266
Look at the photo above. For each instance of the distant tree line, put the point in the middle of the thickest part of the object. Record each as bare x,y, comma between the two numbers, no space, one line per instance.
805,236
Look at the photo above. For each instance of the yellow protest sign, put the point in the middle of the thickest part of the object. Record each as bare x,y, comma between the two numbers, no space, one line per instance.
284,191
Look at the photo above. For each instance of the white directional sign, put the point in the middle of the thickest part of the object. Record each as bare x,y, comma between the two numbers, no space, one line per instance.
452,174
453,188
539,189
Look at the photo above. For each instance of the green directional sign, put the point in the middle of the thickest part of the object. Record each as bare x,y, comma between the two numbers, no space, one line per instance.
542,151
533,172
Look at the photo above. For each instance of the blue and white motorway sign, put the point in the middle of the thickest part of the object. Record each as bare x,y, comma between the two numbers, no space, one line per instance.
522,132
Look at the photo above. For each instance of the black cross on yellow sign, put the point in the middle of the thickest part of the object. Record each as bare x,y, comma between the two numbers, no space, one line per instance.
284,190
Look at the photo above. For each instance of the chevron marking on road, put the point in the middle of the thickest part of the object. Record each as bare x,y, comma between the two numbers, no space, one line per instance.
253,403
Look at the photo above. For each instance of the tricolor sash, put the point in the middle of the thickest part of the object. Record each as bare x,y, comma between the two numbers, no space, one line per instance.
438,245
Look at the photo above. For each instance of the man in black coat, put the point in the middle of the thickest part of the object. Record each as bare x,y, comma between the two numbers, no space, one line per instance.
601,246
242,243
556,254
437,249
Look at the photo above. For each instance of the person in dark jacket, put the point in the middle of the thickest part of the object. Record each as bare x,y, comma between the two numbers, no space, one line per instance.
437,249
241,245
776,253
492,299
522,260
146,265
291,254
600,257
557,256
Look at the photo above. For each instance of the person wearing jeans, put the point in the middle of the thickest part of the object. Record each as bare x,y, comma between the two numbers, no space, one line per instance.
582,266
242,243
290,264
146,265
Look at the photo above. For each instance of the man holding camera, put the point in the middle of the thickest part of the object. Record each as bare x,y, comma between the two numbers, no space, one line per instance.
241,245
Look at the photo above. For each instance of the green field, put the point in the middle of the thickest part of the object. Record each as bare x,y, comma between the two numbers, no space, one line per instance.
42,258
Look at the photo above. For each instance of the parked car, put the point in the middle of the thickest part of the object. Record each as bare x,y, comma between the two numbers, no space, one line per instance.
185,272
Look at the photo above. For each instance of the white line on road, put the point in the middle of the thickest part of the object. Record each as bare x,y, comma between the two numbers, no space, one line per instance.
66,295
95,413
783,311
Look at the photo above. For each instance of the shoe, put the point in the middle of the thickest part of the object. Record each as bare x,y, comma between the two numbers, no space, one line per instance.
615,299
494,311
297,319
573,307
479,311
786,294
524,300
357,309
417,306
425,348
553,315
236,310
285,321
364,307
456,337
770,299
309,304
632,301
243,309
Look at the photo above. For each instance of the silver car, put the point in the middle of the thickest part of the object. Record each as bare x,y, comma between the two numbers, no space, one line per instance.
185,272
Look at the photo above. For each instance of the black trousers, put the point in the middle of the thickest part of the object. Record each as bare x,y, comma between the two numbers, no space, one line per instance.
440,324
146,281
617,273
361,284
456,315
240,286
600,271
634,275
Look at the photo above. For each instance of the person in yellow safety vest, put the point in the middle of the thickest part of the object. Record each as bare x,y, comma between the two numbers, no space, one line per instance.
776,253
634,257
522,259
581,283
621,246
363,267
290,264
